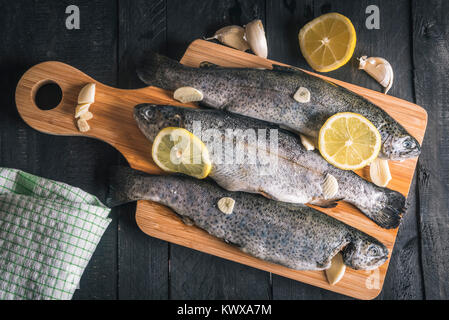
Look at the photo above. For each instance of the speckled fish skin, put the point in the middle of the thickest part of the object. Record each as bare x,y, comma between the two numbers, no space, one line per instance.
298,237
268,95
297,176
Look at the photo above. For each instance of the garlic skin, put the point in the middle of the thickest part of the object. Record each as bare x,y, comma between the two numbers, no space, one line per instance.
255,35
232,36
378,68
379,172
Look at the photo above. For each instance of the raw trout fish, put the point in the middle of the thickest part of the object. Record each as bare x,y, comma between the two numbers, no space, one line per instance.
297,237
287,173
268,95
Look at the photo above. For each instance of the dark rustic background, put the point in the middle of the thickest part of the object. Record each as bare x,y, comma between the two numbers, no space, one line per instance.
128,264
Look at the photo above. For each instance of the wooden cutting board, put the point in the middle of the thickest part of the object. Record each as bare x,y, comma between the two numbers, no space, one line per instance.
113,123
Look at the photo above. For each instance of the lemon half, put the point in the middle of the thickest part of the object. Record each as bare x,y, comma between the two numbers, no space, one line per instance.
178,150
349,141
327,42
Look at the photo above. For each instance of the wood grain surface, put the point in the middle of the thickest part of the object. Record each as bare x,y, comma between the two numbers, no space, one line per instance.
114,124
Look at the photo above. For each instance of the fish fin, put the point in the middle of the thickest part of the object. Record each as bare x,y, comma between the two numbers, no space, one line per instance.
390,215
325,203
151,67
207,64
120,180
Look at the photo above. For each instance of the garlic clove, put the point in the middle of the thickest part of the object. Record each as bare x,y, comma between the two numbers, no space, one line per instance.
307,142
302,95
232,36
87,94
255,35
81,109
330,187
87,116
378,68
83,126
226,205
380,172
187,94
337,269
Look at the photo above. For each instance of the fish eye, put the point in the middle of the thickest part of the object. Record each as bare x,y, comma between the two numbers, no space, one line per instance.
407,144
373,251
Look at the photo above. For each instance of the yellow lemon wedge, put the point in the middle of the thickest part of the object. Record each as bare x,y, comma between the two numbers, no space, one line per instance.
327,42
178,150
349,141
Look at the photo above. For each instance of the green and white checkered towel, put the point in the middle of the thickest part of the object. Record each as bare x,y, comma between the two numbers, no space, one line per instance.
48,233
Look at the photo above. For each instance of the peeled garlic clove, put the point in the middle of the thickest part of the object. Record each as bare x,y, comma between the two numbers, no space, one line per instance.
307,142
87,94
226,205
255,35
330,186
380,172
187,94
378,68
336,270
81,109
87,116
232,36
83,126
302,95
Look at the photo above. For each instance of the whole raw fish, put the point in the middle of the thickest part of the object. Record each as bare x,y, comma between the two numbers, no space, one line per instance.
258,157
268,95
298,237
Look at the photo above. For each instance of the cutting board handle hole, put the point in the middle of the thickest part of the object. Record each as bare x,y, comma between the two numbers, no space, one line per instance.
47,95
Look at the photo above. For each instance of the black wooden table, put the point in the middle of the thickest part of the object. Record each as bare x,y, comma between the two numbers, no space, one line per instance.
413,36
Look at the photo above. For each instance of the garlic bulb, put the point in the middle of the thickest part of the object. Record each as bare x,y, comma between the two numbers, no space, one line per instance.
232,36
379,172
255,35
378,68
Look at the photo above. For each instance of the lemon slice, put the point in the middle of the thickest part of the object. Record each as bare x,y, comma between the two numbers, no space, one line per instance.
327,42
349,141
178,150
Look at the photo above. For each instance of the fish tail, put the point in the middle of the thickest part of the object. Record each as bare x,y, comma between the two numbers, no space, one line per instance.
121,182
152,67
392,207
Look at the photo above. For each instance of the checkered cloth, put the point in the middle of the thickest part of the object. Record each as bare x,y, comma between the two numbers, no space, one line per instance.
48,233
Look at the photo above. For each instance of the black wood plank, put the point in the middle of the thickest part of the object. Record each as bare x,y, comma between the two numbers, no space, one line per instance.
143,260
195,275
392,42
431,62
33,32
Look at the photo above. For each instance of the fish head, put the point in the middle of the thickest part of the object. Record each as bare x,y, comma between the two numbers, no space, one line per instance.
153,118
400,147
365,253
